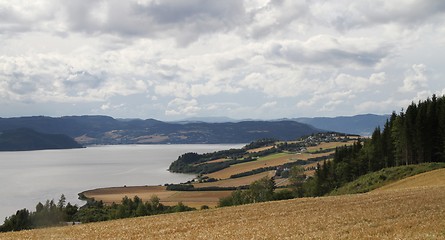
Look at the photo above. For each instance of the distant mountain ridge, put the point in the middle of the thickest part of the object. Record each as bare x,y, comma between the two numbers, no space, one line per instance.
107,130
25,139
362,125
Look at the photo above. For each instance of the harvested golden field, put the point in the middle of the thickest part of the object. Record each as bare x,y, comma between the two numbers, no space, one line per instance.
433,178
236,182
196,198
190,198
115,194
416,213
169,198
330,145
215,161
268,161
274,160
259,149
306,156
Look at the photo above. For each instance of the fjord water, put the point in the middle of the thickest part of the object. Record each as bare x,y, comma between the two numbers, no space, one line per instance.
27,178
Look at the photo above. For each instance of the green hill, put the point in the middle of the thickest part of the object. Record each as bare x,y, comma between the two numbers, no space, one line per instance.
384,177
24,139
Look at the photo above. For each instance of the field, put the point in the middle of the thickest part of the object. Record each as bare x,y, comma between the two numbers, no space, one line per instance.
259,149
268,161
192,199
433,178
329,145
415,211
236,182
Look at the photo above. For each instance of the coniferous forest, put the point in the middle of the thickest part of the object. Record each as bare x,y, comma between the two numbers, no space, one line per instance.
415,135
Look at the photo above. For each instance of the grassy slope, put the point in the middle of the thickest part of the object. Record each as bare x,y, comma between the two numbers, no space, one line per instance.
383,177
433,178
415,213
414,210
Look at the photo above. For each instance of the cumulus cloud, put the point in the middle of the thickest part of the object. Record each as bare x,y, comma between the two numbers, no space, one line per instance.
358,83
79,83
235,57
179,106
415,78
44,78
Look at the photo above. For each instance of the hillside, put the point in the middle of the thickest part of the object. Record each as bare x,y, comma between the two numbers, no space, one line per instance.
386,176
106,130
414,213
24,139
428,179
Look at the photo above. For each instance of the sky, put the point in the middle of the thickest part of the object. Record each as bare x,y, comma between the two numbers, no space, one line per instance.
258,59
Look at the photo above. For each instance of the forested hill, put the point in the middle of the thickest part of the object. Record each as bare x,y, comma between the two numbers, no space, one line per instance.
24,139
414,136
106,130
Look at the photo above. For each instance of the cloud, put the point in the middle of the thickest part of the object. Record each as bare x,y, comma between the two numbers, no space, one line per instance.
351,15
186,21
331,51
357,83
79,83
269,104
179,106
108,106
274,17
380,106
44,78
238,57
415,78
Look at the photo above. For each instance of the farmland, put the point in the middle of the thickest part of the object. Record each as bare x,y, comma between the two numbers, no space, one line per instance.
169,198
222,178
414,211
236,182
268,161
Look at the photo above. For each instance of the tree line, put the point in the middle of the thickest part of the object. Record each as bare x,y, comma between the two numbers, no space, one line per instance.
52,214
48,214
414,136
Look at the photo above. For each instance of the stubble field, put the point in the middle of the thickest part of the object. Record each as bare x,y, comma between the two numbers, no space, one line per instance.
415,212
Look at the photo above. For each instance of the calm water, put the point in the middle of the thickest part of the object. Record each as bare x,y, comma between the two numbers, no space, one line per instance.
34,176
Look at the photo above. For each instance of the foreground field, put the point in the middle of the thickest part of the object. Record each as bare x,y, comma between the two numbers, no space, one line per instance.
404,213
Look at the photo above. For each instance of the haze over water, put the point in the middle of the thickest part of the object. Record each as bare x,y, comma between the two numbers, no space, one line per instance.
34,176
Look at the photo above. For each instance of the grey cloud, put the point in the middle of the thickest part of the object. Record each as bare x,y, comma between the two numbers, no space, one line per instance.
11,21
230,63
186,21
416,12
21,85
367,13
82,81
283,13
337,57
174,12
27,16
